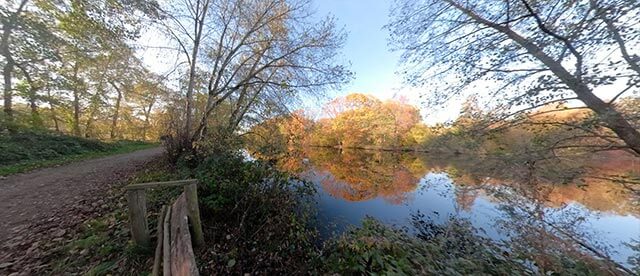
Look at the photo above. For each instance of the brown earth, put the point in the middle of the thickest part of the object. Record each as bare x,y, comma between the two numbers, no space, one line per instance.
42,207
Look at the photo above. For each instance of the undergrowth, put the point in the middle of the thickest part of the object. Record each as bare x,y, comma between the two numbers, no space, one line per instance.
27,150
256,219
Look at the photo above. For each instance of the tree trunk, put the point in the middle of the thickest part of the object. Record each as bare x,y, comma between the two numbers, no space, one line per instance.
199,21
8,25
147,115
611,117
93,109
114,122
190,88
76,101
8,93
54,115
606,113
6,73
36,121
144,129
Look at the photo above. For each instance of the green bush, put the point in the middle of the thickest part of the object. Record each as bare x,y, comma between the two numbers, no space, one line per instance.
258,219
448,249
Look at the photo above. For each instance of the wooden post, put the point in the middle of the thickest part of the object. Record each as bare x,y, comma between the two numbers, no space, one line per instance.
136,200
183,260
157,259
191,193
166,244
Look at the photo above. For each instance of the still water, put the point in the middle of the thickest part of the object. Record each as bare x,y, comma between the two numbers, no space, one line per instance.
588,206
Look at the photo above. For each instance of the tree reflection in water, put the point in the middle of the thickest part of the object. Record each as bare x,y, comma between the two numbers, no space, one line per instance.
544,205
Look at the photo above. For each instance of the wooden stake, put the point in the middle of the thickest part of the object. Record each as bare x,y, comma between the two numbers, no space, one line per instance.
160,237
166,249
136,200
191,193
183,260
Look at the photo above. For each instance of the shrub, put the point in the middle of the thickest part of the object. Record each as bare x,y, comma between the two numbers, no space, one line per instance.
449,249
258,219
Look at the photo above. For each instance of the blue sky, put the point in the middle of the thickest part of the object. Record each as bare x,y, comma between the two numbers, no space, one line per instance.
367,45
372,61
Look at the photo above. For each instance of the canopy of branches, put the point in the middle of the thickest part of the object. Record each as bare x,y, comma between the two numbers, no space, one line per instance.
523,54
75,66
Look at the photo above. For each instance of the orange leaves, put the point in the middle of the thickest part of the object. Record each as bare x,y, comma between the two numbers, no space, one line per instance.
354,121
359,120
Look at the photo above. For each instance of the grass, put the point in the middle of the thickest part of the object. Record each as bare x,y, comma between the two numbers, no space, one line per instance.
28,150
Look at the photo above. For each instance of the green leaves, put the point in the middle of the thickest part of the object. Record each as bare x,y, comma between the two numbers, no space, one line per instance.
452,248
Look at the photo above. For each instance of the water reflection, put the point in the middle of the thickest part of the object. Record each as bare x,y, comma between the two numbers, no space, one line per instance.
608,185
584,206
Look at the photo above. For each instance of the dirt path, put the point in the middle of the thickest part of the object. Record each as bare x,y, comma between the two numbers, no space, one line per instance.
41,205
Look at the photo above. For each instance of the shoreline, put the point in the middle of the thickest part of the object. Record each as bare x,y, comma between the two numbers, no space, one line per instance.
374,148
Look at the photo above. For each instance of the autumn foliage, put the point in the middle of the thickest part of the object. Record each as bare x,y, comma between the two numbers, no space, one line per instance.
353,121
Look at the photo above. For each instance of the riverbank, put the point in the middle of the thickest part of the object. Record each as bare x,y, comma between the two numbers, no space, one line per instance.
372,148
258,219
391,187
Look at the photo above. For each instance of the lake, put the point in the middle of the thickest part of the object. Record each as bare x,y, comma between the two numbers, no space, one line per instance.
586,205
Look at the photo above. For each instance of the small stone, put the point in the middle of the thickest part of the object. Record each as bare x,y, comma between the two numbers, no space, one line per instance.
231,263
33,247
60,233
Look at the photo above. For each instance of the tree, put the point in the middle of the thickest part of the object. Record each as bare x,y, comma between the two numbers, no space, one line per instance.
185,22
535,52
403,118
9,24
256,57
96,57
72,67
282,134
148,93
359,120
26,42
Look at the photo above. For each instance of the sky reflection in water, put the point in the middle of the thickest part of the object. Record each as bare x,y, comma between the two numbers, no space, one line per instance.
393,186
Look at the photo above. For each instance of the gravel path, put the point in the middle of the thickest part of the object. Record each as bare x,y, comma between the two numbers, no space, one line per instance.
41,205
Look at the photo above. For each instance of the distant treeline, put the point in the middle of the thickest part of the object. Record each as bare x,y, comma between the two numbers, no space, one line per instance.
362,121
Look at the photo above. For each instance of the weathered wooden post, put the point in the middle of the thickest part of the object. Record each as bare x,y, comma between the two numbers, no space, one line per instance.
166,244
174,235
158,254
191,193
137,202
